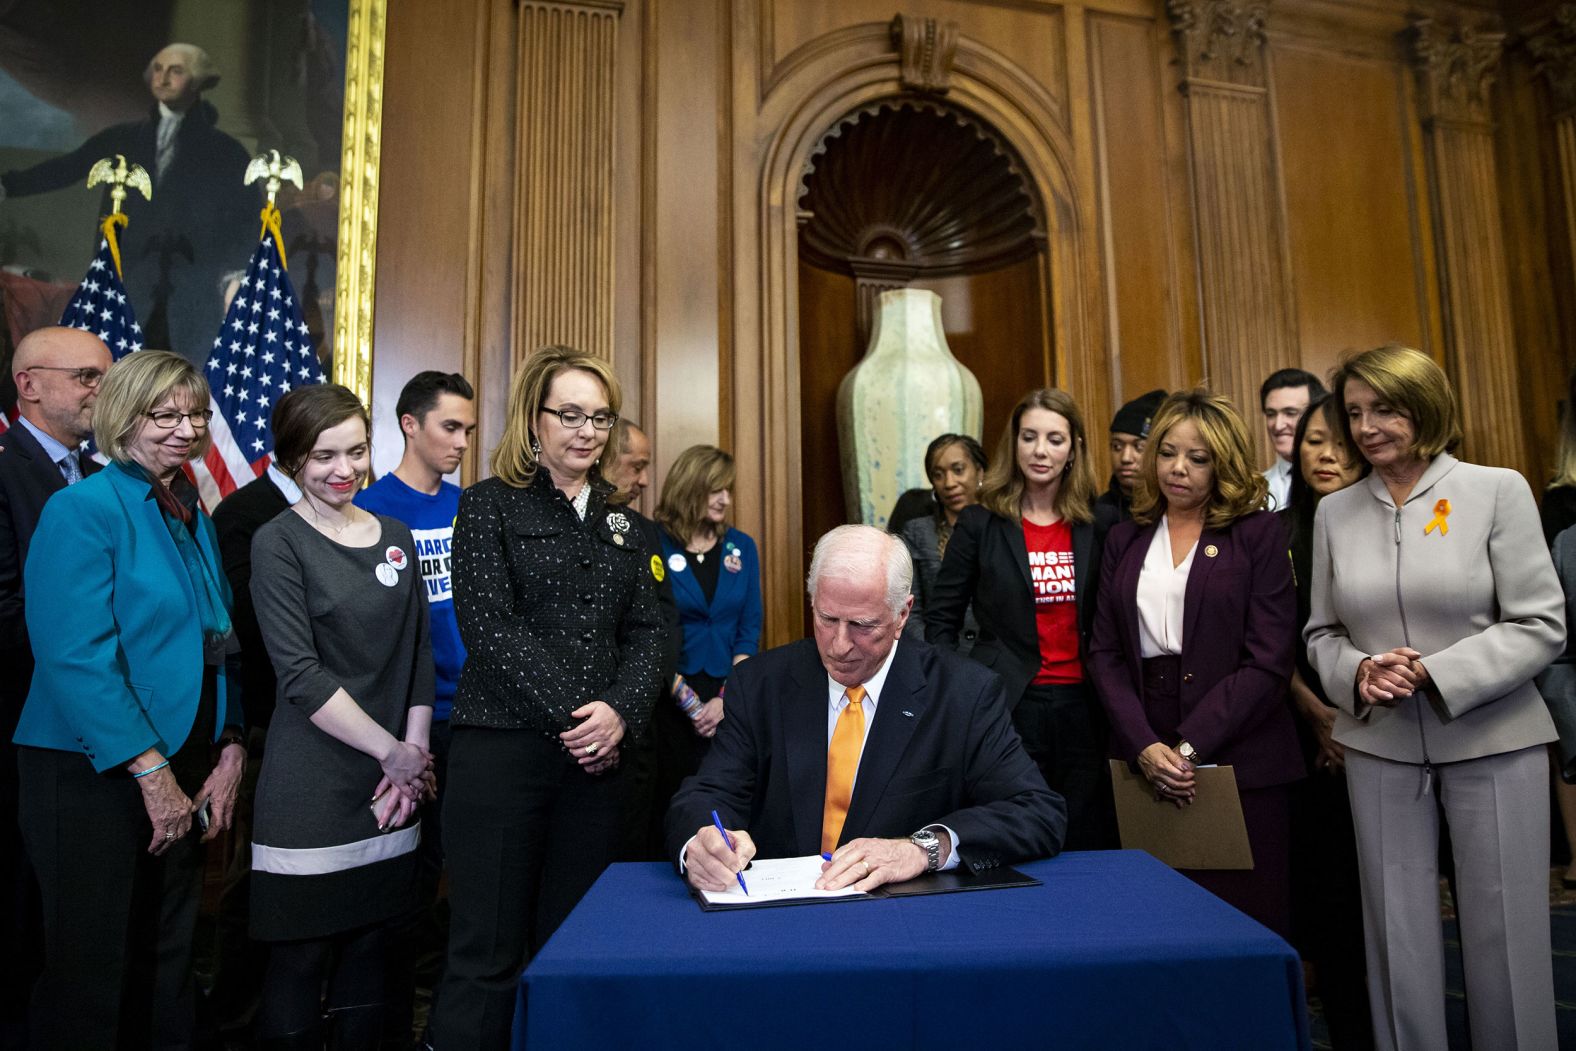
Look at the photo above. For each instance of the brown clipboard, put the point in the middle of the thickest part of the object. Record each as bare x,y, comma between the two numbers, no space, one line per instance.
1209,834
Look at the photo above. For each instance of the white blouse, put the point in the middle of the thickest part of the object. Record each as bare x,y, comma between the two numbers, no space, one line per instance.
1162,593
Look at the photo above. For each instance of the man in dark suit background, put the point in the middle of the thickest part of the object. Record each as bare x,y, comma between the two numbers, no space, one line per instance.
238,961
57,373
627,464
899,754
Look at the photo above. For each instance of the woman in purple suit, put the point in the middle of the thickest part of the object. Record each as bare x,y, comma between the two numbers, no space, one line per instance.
1195,636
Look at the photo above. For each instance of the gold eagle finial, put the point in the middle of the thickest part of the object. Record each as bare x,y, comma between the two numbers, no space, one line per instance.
276,169
120,175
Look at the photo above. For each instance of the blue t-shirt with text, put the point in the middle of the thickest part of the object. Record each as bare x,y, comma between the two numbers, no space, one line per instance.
431,521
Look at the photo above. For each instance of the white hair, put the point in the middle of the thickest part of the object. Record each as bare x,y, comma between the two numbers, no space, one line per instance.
853,550
202,67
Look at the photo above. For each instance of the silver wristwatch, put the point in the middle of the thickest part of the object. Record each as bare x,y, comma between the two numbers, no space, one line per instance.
1188,752
931,844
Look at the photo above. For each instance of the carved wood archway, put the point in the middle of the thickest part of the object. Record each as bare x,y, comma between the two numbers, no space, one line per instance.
813,88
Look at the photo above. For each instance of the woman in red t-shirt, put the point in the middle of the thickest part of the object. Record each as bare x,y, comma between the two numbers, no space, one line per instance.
1028,556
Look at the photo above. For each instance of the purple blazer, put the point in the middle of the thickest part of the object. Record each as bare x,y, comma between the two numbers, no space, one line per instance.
1239,638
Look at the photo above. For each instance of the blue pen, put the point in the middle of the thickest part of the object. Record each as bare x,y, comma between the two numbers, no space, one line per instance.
729,840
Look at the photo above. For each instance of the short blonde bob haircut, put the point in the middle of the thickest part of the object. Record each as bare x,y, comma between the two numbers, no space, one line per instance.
1239,488
1414,385
136,385
699,471
1004,483
515,460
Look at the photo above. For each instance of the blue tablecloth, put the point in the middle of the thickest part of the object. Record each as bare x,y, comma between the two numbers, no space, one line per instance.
1114,950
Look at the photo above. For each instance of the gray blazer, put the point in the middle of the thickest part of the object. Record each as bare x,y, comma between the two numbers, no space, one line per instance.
1558,683
1479,601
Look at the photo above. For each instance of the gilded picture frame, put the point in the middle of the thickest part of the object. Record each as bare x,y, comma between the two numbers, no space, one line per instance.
356,273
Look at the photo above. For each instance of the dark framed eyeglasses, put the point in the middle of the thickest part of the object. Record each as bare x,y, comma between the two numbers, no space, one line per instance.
169,419
574,419
89,378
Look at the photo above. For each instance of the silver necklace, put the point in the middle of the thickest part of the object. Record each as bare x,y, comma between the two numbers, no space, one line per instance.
319,519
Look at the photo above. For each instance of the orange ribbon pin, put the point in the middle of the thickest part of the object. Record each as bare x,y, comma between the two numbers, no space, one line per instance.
1441,512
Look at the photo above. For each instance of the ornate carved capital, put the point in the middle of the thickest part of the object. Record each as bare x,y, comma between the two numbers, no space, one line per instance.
1220,40
926,49
1553,51
1455,68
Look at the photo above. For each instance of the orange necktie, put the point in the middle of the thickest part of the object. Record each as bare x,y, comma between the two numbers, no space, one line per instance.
842,762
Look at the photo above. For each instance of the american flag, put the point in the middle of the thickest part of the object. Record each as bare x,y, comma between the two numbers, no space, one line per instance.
100,306
263,349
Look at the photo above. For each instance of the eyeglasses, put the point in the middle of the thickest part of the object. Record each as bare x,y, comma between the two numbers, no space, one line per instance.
168,419
574,419
89,378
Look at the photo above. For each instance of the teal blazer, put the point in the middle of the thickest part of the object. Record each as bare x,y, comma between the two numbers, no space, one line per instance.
113,620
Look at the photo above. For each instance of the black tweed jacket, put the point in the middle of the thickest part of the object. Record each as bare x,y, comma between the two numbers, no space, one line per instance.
555,612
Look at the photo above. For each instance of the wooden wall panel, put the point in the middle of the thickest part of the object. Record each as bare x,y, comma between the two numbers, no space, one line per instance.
1128,91
1352,220
1029,35
564,214
681,261
420,309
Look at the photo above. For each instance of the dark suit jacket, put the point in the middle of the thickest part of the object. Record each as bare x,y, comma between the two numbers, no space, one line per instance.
941,750
1239,637
27,479
987,564
238,518
554,610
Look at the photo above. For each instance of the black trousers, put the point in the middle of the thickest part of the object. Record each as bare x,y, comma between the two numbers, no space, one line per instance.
1327,906
118,922
1064,735
526,833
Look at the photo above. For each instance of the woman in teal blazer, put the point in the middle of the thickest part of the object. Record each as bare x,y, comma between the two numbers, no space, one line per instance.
130,733
716,578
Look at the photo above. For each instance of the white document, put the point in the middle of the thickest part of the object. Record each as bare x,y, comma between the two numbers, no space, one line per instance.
778,879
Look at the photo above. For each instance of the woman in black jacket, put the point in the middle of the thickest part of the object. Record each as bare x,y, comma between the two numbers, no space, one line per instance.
1027,557
1326,898
557,607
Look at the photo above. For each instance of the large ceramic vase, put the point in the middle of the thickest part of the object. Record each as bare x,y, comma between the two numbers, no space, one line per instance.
906,390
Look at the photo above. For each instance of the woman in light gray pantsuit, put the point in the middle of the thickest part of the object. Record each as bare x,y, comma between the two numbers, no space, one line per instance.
1434,604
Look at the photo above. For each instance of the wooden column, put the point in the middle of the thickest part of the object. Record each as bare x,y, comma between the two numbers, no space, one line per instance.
1247,316
564,207
1455,72
1553,50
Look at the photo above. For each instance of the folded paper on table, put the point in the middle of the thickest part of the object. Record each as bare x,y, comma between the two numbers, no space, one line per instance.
1209,834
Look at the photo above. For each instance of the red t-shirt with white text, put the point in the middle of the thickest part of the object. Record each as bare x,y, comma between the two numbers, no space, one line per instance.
1055,592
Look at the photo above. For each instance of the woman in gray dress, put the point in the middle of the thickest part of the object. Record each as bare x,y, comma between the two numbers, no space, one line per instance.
342,610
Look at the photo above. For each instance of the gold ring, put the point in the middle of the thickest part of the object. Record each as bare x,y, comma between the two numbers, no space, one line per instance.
866,864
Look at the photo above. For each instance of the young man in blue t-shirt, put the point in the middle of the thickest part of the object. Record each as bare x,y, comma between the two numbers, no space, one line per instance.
437,414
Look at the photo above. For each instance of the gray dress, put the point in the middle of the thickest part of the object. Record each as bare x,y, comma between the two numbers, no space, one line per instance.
333,616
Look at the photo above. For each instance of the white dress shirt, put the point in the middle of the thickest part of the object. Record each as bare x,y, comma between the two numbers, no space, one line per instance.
1279,477
284,483
164,148
1162,595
